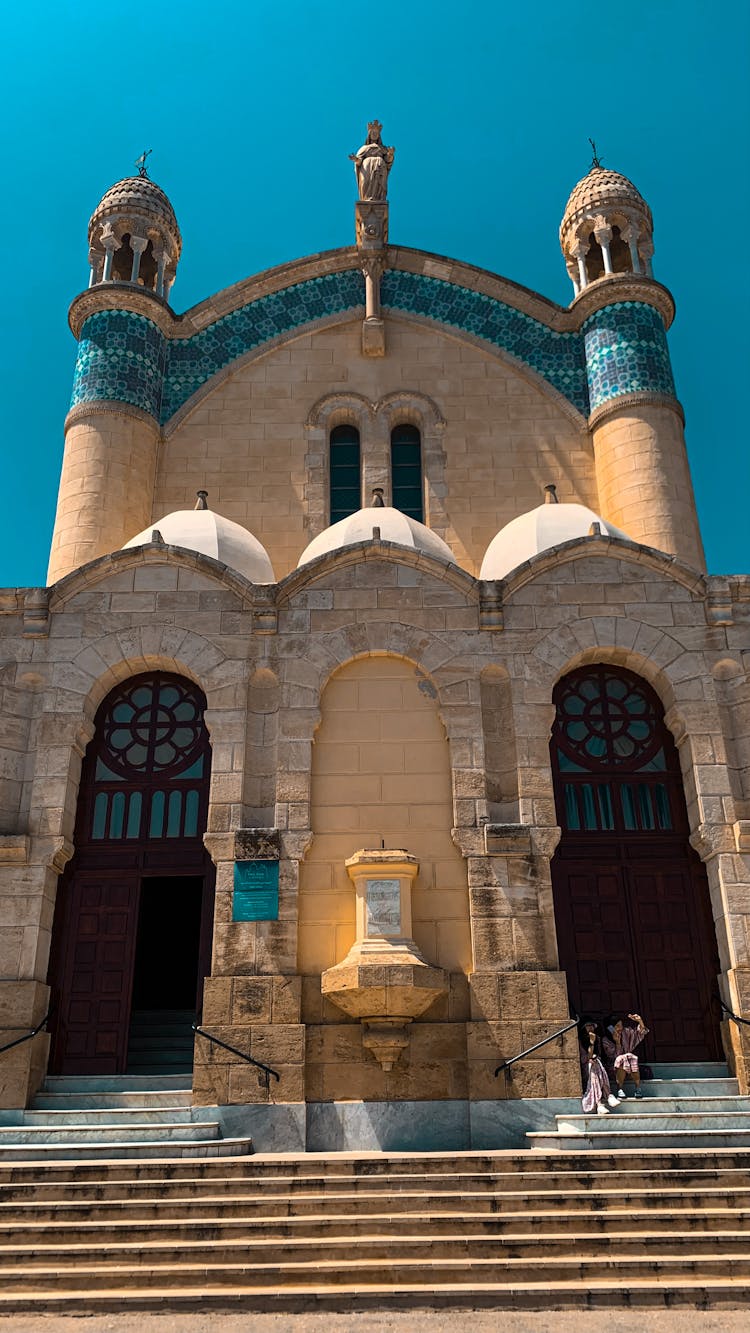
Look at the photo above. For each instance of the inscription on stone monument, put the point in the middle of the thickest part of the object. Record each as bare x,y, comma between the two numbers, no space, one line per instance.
383,907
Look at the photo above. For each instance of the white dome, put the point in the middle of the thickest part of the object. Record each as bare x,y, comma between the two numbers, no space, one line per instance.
394,527
211,534
538,530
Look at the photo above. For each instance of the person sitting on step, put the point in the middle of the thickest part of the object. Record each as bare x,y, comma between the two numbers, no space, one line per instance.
597,1091
621,1037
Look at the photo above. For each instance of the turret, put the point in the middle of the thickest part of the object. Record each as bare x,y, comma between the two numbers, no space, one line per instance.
635,418
112,430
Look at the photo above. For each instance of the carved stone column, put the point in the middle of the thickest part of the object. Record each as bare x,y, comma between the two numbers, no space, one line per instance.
371,218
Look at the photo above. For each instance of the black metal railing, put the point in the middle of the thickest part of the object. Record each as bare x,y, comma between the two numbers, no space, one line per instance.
27,1036
264,1078
735,1018
506,1064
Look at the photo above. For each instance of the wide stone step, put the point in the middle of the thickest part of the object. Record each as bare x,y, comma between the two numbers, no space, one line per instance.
610,1293
457,1248
390,1226
692,1069
703,1105
424,1269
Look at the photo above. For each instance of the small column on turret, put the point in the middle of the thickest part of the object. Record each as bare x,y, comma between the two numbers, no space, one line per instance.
372,163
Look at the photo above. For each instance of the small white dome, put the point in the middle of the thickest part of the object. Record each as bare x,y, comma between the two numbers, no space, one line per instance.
394,527
211,534
538,530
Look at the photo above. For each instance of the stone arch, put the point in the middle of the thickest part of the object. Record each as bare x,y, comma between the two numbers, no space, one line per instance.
380,772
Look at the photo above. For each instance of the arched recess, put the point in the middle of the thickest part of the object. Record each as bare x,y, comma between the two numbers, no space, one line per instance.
632,908
500,754
381,777
131,939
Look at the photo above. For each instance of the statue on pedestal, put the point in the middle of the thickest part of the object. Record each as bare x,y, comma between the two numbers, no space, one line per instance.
372,163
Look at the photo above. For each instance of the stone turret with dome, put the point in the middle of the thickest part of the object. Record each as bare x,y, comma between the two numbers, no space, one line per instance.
607,228
134,237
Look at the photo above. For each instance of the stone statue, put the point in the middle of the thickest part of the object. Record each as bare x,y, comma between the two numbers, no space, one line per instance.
372,163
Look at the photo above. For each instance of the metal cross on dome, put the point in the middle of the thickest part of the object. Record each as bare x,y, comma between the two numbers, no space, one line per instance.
140,162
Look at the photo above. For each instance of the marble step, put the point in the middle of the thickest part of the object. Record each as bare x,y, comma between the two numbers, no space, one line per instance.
646,1118
92,1084
613,1139
685,1087
347,1226
691,1069
321,1274
117,1115
114,1151
674,1105
107,1132
115,1101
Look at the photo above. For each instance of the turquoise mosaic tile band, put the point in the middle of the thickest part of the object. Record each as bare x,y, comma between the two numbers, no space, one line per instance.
626,352
123,356
192,361
557,357
120,357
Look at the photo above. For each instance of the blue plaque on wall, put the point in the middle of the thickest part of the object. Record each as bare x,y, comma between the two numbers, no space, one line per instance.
256,891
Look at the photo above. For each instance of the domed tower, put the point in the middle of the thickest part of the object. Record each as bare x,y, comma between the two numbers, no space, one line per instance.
635,419
606,229
134,237
121,322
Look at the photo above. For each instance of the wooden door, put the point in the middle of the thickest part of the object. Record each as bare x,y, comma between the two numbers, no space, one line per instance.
96,974
632,907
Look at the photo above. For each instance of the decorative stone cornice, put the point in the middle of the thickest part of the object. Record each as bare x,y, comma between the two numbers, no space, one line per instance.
710,840
121,296
109,407
616,287
629,402
14,849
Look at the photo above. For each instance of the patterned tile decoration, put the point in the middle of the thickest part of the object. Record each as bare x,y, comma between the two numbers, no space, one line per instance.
194,360
626,352
558,357
621,349
121,356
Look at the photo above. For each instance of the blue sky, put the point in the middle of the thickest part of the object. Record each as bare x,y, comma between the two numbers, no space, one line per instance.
252,108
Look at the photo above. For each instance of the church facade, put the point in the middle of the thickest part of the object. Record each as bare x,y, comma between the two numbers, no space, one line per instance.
379,712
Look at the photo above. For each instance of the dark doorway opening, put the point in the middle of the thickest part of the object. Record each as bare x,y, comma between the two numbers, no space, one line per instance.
166,980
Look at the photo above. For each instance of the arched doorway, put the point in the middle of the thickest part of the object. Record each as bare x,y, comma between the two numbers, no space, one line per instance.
632,908
134,912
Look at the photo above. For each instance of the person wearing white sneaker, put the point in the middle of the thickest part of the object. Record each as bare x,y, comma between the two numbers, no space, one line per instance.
619,1042
597,1090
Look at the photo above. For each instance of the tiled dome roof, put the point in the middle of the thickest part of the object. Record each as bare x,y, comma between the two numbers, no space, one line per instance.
137,195
599,188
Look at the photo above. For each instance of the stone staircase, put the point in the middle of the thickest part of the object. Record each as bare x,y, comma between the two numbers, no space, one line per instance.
693,1106
124,1116
504,1230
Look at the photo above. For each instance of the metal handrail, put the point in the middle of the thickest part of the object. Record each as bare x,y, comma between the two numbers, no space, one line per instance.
267,1070
734,1017
522,1054
27,1035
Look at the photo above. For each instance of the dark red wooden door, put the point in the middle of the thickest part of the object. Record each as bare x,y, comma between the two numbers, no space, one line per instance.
631,898
141,815
96,974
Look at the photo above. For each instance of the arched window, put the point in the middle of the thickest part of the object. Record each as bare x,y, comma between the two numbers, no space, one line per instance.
146,772
406,471
615,763
344,472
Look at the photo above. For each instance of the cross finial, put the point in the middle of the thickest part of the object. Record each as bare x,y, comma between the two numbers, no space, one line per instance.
140,162
595,162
